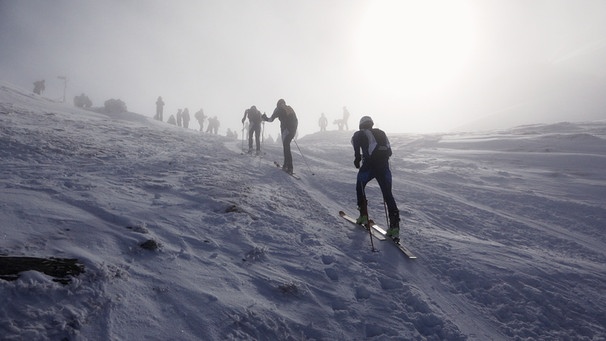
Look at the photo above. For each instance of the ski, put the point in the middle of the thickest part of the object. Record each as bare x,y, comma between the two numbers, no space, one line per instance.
399,245
352,220
379,233
291,174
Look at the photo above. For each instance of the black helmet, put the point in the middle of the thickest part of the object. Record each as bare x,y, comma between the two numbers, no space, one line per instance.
366,122
281,101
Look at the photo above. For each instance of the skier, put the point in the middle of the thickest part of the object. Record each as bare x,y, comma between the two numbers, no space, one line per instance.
371,146
288,126
159,109
345,118
185,117
213,125
323,122
254,127
179,117
200,117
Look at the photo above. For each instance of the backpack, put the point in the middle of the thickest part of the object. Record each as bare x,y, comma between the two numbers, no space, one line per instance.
254,116
290,113
379,148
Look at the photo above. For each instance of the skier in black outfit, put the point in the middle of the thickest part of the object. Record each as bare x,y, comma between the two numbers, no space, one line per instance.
254,127
371,146
288,127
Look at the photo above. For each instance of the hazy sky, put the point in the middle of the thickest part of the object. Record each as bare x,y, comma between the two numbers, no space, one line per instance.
415,66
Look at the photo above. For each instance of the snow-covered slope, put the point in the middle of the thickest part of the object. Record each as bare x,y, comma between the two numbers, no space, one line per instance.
508,226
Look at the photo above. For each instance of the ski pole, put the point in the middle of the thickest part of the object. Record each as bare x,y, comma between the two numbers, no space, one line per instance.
242,137
365,202
386,216
263,132
304,159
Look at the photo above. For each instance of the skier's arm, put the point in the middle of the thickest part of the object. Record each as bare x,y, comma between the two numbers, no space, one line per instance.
273,116
244,117
388,146
355,141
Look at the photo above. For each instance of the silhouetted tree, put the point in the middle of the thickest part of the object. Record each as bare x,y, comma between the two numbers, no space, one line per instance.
82,101
115,106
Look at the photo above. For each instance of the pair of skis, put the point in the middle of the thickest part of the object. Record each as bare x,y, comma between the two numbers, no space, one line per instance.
289,173
379,233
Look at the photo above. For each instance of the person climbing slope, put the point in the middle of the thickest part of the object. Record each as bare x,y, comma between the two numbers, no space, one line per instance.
372,148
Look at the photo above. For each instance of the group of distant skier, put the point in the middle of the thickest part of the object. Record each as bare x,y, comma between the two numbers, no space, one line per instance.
371,146
182,118
372,149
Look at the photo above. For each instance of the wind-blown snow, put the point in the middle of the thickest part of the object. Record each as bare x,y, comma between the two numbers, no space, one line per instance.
508,227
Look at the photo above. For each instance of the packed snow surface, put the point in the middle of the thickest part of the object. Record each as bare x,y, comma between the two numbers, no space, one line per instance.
508,226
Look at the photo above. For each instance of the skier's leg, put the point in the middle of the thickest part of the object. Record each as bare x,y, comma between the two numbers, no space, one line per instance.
286,139
258,138
385,183
250,138
364,176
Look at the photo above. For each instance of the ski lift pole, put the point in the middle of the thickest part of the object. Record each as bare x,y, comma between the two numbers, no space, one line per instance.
64,86
304,159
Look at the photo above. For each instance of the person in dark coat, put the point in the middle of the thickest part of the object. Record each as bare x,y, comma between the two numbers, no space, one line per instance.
372,148
185,117
323,122
159,109
254,127
288,127
200,117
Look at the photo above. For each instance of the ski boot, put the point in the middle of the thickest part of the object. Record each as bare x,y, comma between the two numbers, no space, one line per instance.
287,169
363,218
393,231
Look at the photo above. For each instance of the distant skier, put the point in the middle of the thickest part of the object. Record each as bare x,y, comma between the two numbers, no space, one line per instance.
213,125
179,117
39,87
345,119
186,118
216,124
159,109
200,117
254,127
323,122
372,147
288,126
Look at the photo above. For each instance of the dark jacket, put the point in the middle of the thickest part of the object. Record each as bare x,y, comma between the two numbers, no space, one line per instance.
254,116
288,118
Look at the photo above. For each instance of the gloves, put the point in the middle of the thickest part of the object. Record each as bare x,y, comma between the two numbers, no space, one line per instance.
264,117
243,121
357,161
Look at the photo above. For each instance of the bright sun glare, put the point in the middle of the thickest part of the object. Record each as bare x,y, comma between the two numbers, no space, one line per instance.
414,47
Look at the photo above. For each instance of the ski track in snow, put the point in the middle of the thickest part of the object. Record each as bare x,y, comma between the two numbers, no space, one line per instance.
508,227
